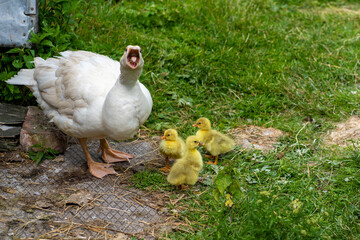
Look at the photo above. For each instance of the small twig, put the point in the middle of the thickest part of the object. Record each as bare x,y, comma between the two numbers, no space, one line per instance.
144,222
177,200
137,201
297,134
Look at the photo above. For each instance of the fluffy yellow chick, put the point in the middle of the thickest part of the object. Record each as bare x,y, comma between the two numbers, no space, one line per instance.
186,170
215,142
171,146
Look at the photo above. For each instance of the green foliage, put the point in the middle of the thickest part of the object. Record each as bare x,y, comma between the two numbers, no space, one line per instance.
39,153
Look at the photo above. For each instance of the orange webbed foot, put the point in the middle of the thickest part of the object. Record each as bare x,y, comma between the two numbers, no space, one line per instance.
209,156
214,163
165,169
100,170
110,155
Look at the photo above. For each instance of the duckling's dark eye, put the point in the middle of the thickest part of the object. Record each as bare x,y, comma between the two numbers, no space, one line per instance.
195,141
168,135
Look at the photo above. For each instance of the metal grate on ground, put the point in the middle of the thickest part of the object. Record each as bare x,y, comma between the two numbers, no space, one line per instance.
59,199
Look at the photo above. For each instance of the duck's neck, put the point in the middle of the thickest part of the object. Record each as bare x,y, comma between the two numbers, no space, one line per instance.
128,76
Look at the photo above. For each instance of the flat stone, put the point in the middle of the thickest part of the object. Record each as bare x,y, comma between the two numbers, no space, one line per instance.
12,114
38,130
7,131
11,118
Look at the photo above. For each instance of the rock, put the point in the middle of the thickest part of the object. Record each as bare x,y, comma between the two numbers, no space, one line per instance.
12,114
11,118
37,130
80,198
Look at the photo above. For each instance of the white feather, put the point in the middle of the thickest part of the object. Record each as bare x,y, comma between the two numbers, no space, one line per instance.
24,77
85,95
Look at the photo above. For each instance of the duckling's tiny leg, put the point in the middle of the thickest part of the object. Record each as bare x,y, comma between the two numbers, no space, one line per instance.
214,163
167,167
184,187
98,170
216,160
110,155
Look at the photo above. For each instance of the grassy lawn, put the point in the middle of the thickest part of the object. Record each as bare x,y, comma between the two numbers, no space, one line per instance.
291,65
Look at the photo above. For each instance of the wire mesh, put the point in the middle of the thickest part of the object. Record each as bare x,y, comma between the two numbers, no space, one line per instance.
61,200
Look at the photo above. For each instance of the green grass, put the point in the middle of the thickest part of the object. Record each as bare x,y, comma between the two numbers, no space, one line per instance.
275,63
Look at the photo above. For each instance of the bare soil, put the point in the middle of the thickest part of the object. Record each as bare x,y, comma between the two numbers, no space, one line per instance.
255,137
345,133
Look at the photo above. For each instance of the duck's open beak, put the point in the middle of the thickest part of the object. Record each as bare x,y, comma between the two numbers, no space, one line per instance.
133,57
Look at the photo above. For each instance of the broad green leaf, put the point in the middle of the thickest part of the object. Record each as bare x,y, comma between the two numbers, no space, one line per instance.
222,182
216,194
17,63
39,157
11,88
28,61
15,50
47,43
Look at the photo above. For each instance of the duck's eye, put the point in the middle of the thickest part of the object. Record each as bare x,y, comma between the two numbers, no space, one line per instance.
168,135
140,51
199,123
125,49
195,141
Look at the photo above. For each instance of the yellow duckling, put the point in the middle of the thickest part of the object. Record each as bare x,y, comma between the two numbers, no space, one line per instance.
186,170
215,142
171,146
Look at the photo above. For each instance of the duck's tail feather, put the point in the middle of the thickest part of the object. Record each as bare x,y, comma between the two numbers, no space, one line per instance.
24,77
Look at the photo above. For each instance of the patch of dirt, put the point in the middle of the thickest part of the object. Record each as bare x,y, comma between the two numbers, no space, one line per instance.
255,137
59,199
344,133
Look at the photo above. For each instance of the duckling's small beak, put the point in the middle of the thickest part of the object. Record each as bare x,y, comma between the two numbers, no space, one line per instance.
201,143
163,137
195,125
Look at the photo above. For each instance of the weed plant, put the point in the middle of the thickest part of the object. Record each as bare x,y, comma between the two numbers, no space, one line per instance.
292,65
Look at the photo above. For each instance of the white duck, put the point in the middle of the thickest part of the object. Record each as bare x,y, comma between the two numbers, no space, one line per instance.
88,95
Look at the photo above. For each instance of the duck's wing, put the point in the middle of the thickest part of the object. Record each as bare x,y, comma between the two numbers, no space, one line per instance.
74,80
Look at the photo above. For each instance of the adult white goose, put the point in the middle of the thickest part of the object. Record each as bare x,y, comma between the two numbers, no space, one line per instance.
88,95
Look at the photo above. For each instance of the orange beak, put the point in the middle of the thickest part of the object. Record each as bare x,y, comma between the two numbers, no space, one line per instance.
195,125
201,143
163,137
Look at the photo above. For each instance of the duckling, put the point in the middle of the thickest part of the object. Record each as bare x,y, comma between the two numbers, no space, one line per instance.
186,170
171,146
215,142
